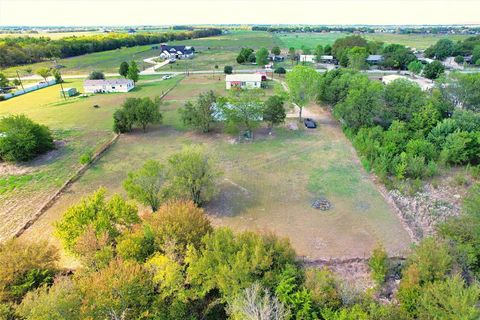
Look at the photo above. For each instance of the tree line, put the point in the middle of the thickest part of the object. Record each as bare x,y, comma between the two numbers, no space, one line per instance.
23,50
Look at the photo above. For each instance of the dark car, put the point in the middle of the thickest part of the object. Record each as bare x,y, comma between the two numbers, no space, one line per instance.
309,123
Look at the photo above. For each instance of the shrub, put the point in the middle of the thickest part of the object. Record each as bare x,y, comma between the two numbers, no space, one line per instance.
21,139
228,69
378,264
433,70
96,75
461,147
86,158
280,70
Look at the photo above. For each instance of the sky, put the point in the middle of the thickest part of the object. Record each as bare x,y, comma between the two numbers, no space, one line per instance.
168,12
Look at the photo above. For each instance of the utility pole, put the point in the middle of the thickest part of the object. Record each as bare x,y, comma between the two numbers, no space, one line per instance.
20,81
61,85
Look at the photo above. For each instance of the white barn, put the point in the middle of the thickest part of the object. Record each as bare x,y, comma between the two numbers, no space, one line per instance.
108,85
307,58
243,81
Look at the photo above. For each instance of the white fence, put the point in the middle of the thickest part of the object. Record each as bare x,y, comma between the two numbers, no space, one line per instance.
31,88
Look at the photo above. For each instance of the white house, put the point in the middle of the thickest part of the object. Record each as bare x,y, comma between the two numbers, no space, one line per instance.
424,83
307,58
108,85
176,52
243,81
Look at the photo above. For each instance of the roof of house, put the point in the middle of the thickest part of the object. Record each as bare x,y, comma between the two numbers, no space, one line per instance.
174,49
375,57
246,77
110,82
326,57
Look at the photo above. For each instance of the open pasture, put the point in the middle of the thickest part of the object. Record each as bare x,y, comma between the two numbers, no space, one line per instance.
252,194
77,127
311,40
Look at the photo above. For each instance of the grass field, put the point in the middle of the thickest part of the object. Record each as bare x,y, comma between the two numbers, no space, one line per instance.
76,125
252,194
106,61
311,40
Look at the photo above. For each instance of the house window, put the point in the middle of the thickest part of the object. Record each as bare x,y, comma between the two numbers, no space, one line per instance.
113,87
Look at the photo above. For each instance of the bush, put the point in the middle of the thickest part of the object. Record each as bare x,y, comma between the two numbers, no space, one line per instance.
461,147
433,70
96,75
280,70
21,139
86,158
228,69
378,264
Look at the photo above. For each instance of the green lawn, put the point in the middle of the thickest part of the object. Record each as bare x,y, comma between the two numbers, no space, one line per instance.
235,40
78,128
268,185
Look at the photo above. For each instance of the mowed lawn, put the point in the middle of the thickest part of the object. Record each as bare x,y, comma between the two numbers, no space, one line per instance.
267,186
78,128
311,40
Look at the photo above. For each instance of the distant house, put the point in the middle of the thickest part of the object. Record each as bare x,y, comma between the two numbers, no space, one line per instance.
374,59
176,52
68,92
243,81
307,58
450,63
327,59
108,85
276,58
424,83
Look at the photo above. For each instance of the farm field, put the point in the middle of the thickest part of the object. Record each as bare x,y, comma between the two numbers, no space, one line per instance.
77,127
311,40
252,194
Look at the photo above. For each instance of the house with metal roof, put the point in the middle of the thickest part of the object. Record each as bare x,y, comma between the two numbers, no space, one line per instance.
374,59
176,52
243,81
108,85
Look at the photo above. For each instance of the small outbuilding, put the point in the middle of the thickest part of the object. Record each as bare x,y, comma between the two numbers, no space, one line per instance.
68,92
243,81
108,85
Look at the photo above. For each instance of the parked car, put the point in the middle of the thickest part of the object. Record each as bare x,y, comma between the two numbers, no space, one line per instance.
309,123
167,76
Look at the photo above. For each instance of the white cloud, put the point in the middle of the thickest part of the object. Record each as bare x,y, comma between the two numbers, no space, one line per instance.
151,12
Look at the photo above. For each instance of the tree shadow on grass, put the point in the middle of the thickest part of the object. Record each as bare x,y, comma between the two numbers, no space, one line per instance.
231,200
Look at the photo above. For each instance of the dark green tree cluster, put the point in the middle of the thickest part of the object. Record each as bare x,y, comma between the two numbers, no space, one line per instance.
21,139
401,131
137,112
246,55
447,48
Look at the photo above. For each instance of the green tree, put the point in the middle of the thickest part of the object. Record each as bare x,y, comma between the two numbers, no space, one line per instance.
274,110
44,73
415,67
244,55
397,56
133,71
280,70
230,263
22,139
342,45
459,59
228,69
476,54
243,108
137,111
145,184
192,175
402,99
123,290
356,58
123,70
96,75
3,80
57,75
176,226
443,48
262,57
433,70
292,54
324,288
465,88
318,52
449,299
200,114
276,50
378,264
302,86
60,301
95,212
